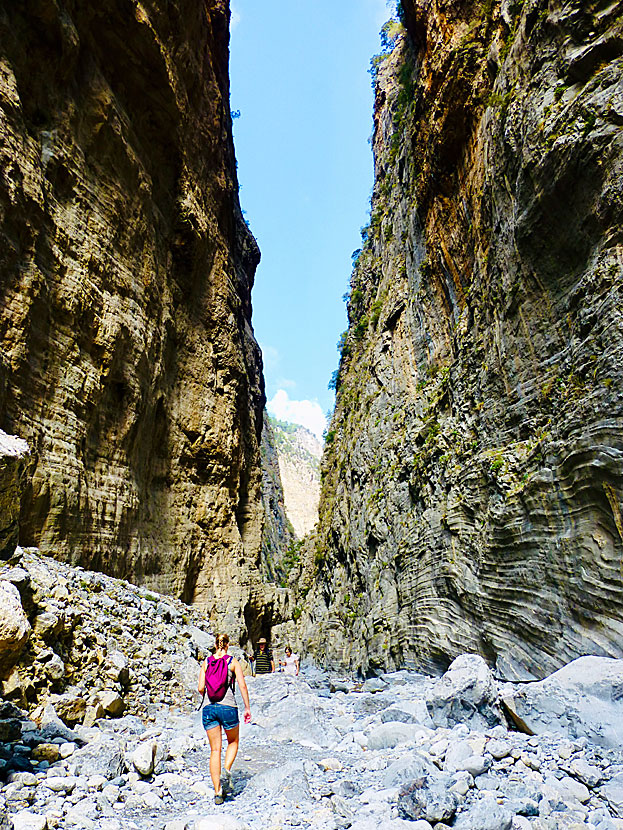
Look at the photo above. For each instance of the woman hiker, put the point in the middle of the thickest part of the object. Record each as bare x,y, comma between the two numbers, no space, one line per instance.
222,711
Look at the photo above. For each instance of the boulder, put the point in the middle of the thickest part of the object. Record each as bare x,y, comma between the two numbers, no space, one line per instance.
13,453
47,625
485,815
581,699
14,627
25,820
407,769
143,757
112,702
612,792
51,726
391,734
428,798
467,693
70,707
117,667
103,756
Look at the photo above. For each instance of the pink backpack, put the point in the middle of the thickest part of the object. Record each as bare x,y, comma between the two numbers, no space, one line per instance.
217,671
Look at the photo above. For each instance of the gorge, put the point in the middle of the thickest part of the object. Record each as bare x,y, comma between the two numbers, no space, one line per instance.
472,479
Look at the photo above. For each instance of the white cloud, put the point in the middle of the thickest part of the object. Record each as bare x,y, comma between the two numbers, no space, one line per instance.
285,383
235,17
307,413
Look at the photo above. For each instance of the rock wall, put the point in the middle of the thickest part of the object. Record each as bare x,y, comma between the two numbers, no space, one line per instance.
472,494
299,453
127,357
278,533
13,454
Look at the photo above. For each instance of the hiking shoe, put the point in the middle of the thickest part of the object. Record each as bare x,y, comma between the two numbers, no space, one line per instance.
218,798
226,781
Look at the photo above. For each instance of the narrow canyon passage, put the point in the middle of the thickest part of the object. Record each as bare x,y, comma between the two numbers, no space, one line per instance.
456,593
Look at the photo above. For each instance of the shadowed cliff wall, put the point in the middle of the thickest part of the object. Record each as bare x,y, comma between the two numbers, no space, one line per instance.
472,485
128,361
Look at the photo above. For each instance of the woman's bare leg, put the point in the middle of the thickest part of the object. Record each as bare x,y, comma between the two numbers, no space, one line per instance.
216,742
233,736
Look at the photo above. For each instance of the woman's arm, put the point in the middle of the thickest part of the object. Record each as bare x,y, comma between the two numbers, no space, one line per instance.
298,665
201,683
242,685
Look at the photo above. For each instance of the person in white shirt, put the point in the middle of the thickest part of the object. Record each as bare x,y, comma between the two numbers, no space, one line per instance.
291,663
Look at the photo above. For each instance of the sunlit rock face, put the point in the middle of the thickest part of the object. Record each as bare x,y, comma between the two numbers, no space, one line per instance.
278,533
127,358
299,453
472,495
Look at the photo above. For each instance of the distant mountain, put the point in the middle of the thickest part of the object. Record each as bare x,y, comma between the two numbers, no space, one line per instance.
278,535
298,453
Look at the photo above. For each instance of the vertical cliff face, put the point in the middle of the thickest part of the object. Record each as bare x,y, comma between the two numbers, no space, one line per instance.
472,495
299,453
128,361
278,533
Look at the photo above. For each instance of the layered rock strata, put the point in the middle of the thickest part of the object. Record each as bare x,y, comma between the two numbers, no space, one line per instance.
127,357
472,495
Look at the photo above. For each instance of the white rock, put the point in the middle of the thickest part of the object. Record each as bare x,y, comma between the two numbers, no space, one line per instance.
474,764
438,749
111,793
498,749
96,782
25,820
219,822
613,793
67,749
25,779
571,788
456,753
152,801
586,773
331,764
143,757
462,783
60,784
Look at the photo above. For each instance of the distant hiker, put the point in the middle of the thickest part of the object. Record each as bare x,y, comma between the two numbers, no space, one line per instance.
291,663
217,679
263,657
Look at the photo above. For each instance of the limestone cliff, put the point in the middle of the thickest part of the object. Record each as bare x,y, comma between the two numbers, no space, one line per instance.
299,453
278,533
127,357
472,495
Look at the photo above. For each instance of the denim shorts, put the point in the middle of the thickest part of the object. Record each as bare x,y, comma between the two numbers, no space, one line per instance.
218,715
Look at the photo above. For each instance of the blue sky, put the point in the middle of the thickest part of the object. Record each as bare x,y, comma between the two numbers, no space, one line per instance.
299,76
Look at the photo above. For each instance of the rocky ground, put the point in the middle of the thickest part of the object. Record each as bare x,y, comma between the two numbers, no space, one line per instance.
403,751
